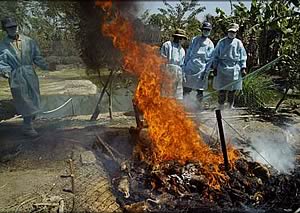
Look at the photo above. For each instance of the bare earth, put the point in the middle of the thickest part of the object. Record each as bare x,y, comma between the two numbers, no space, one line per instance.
30,169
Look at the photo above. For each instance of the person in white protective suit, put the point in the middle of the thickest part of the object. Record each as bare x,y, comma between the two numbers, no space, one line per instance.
197,61
229,63
18,54
174,53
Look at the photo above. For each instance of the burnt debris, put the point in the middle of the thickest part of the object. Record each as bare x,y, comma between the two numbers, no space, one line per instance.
174,187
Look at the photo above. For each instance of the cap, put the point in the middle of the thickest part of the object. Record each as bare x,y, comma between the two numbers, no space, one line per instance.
8,22
206,26
233,27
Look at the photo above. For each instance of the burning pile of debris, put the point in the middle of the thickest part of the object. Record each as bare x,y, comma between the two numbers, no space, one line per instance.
172,186
176,186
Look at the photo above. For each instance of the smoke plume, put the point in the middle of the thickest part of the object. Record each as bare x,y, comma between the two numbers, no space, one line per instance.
97,50
275,148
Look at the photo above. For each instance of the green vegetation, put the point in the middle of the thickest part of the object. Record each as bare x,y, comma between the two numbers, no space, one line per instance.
182,15
51,23
258,91
5,93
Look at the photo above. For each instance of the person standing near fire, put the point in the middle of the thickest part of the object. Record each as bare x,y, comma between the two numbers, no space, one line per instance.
174,53
18,54
197,58
229,63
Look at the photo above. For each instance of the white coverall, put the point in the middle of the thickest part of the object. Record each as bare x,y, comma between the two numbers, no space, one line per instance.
174,53
229,57
198,55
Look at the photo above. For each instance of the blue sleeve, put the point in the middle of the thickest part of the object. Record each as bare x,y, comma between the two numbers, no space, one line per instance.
189,51
37,57
243,56
210,50
209,57
5,68
215,56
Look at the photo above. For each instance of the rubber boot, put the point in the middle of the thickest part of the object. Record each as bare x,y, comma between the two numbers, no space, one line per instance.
28,130
199,95
231,98
221,99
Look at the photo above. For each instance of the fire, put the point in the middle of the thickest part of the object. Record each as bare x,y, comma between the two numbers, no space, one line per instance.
105,5
173,135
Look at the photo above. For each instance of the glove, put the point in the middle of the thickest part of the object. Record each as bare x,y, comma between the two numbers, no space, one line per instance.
243,71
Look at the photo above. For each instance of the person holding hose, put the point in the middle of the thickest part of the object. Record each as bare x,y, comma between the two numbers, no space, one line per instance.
18,55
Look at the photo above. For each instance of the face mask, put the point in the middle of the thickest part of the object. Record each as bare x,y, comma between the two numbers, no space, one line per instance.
12,32
178,40
231,35
206,33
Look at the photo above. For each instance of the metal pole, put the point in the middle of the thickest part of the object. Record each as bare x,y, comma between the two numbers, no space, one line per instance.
222,138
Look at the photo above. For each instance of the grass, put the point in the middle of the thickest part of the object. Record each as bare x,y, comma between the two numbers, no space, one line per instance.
5,93
258,91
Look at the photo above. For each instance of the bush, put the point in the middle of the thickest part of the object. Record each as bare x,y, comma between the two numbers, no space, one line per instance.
258,90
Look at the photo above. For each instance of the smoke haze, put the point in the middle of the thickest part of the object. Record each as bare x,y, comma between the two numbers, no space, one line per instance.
276,147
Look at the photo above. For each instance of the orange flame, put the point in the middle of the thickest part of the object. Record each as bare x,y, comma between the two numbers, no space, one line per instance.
174,136
106,5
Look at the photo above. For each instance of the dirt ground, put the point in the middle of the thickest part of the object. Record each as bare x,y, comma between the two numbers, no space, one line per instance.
31,169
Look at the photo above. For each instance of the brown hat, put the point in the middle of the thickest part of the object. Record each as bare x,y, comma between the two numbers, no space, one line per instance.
180,33
233,27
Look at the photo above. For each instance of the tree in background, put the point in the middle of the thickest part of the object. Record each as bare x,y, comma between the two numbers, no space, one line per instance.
182,15
268,30
290,47
51,23
263,28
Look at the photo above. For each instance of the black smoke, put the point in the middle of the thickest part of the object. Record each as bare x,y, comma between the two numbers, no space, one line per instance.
97,50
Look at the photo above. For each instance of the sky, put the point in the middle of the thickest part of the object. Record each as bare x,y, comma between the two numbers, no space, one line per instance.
210,6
